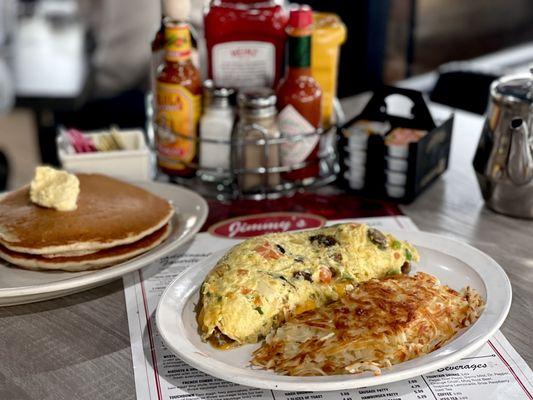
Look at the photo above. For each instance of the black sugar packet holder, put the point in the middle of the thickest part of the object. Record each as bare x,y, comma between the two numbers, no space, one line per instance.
427,159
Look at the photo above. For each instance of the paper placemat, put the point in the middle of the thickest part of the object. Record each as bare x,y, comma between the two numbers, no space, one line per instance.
494,372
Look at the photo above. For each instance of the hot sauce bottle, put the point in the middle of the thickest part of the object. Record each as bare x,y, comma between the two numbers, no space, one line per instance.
245,42
178,90
299,99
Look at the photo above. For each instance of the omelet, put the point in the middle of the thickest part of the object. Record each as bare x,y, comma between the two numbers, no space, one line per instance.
261,282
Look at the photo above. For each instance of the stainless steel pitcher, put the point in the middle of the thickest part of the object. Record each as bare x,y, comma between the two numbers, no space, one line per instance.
504,157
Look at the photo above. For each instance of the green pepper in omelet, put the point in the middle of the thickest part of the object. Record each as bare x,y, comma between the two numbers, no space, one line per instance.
262,281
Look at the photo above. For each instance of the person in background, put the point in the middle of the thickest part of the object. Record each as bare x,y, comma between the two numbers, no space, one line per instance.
8,12
122,31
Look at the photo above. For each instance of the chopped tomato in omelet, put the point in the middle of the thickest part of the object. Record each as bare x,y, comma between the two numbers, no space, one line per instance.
262,281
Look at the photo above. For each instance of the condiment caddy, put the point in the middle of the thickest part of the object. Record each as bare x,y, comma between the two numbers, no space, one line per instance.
256,134
254,168
393,156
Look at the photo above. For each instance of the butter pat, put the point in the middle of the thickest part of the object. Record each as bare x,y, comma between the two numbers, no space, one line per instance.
54,189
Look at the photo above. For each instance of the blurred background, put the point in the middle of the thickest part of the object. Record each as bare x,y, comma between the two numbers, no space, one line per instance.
85,63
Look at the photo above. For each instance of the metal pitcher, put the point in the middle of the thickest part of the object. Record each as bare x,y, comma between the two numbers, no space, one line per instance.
504,157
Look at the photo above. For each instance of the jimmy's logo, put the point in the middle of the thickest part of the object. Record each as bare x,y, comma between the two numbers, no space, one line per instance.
259,224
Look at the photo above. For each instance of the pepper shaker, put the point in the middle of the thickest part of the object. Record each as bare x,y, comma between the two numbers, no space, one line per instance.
256,150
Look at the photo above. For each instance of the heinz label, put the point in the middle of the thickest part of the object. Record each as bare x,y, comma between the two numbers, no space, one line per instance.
244,64
178,112
260,224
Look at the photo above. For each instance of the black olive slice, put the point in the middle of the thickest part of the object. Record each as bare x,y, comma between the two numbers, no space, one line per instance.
378,238
323,240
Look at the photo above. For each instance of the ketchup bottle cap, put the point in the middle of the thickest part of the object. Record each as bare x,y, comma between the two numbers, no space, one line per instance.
301,17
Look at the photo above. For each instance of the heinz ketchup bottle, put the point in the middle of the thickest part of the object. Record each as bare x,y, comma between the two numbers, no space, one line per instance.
245,42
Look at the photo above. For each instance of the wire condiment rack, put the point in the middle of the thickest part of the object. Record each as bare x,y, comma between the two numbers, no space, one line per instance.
224,183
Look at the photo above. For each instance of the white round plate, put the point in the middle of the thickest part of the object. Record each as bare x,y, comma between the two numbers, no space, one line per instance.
454,263
19,286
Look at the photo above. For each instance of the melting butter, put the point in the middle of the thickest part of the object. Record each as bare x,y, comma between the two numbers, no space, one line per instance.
56,189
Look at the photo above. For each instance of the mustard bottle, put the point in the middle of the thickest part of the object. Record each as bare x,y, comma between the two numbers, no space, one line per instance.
329,33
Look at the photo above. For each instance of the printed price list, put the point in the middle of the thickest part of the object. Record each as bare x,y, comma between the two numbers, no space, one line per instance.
495,372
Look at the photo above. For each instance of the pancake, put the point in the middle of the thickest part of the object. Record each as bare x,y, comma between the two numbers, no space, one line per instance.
110,213
100,259
70,253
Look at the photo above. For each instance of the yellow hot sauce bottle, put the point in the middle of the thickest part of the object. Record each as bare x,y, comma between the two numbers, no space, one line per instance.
178,90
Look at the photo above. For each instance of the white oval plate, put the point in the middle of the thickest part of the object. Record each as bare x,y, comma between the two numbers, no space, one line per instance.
19,286
454,263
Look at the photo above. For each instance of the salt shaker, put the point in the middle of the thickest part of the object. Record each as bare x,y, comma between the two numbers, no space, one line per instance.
216,128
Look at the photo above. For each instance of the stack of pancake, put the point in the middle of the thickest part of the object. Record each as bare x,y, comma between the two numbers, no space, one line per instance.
114,221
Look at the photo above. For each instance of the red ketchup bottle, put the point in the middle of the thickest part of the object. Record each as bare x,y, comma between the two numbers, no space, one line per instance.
300,100
245,42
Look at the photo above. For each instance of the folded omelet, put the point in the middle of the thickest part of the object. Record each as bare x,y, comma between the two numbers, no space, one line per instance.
261,282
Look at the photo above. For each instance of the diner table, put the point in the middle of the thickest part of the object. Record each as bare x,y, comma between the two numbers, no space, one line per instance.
78,346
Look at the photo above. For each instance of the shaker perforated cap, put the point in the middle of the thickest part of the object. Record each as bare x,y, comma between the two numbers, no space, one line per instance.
211,90
258,97
217,96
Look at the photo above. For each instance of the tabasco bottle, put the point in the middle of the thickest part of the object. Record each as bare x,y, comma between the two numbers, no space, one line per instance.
178,90
299,99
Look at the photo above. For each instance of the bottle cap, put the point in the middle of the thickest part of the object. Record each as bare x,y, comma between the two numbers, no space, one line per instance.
178,10
258,97
259,102
217,96
301,17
